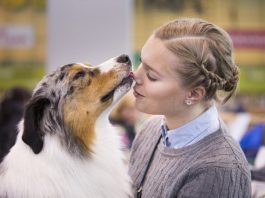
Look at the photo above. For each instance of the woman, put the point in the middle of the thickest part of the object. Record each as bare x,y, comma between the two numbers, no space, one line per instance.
187,151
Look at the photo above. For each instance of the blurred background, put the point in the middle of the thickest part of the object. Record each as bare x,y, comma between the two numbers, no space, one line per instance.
37,36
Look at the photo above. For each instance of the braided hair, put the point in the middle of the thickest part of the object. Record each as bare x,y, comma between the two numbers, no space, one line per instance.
205,51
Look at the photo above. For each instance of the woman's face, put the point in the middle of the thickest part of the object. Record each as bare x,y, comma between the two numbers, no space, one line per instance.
158,89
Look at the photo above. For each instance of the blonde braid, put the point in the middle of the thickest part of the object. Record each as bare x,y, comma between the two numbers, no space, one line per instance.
205,51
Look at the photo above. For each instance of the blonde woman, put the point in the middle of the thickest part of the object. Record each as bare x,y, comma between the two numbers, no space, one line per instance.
186,152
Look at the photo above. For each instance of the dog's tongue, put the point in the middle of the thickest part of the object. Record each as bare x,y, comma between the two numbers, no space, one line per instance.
131,74
129,78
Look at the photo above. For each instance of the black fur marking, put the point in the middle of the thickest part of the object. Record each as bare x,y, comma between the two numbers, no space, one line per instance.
56,103
107,96
79,74
33,134
39,92
51,75
56,80
91,73
66,66
94,72
62,75
88,82
53,94
70,91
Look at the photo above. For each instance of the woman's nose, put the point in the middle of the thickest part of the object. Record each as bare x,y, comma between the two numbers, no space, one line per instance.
137,75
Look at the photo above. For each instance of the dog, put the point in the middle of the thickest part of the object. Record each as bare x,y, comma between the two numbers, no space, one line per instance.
66,146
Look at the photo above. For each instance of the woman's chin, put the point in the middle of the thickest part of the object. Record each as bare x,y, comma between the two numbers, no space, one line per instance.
142,107
139,105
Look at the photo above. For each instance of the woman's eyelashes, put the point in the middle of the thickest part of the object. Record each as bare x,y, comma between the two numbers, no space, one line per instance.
146,68
150,77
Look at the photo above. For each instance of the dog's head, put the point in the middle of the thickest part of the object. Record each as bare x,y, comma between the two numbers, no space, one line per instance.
68,102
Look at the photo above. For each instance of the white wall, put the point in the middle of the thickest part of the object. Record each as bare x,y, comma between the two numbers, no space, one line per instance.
90,31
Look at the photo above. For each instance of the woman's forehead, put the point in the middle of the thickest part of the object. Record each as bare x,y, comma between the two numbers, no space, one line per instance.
156,56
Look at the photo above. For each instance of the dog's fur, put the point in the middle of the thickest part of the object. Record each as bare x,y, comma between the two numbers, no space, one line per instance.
66,146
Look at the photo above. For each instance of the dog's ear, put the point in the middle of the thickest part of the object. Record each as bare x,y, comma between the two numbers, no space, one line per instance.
33,134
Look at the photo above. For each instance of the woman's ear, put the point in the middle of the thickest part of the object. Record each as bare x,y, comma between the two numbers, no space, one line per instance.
33,133
195,95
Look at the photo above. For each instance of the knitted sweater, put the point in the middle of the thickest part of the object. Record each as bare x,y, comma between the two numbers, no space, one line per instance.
213,167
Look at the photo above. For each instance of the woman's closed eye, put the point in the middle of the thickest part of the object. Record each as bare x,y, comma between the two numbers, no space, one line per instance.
150,77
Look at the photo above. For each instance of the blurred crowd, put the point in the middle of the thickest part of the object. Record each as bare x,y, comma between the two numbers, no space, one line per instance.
245,117
126,119
248,128
12,105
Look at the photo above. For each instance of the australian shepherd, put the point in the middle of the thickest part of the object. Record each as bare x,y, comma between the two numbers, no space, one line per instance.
66,146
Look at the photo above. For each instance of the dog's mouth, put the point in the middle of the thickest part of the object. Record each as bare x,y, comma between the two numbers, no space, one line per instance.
127,80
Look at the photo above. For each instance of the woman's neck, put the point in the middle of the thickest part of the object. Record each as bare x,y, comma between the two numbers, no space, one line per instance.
182,118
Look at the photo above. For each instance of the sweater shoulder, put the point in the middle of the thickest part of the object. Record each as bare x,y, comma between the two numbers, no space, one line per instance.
223,152
151,125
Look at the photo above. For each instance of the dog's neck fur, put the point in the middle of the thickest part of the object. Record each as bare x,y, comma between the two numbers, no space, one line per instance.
54,172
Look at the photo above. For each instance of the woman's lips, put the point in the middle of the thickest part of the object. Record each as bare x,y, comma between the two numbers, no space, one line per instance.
137,94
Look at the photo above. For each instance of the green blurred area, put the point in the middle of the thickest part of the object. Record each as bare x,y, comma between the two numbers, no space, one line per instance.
24,75
252,79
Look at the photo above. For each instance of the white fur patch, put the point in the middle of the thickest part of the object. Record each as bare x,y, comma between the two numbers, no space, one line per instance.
107,65
83,65
120,91
54,172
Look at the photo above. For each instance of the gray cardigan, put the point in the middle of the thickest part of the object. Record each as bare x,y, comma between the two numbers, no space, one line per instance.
213,167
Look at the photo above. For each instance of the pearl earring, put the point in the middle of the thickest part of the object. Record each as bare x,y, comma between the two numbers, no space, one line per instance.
188,102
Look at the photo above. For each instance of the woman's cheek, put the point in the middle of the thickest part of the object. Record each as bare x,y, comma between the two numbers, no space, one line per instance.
156,90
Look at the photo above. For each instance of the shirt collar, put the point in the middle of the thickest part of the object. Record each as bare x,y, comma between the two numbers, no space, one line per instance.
193,131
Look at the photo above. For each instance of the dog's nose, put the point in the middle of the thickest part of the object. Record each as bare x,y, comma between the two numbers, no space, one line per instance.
124,59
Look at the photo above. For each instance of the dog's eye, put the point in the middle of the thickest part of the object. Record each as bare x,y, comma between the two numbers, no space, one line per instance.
79,75
107,96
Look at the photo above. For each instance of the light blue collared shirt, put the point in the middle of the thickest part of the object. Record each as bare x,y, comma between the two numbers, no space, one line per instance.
193,131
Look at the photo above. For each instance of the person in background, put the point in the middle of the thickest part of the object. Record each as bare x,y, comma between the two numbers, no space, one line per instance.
185,151
12,108
124,116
